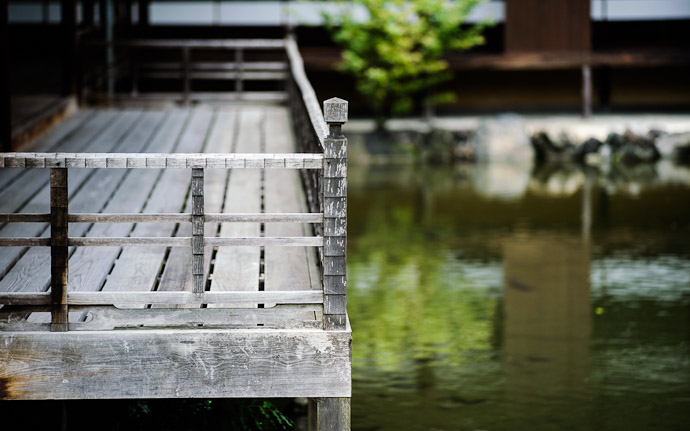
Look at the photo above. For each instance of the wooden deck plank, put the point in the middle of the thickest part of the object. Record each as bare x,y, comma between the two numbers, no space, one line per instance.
12,198
285,268
89,266
33,269
176,275
238,268
47,142
40,201
137,268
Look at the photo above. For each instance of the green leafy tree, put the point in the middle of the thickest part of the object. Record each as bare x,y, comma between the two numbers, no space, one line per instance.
396,54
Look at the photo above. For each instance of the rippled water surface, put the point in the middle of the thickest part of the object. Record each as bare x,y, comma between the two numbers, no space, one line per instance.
500,298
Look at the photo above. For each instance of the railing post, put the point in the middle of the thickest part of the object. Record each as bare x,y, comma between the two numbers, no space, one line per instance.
335,215
239,70
58,249
185,73
198,230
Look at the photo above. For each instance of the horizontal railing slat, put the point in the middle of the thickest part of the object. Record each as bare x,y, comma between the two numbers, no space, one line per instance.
169,298
161,160
166,218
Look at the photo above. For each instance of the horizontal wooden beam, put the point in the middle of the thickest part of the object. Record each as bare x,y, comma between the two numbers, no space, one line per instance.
108,318
183,241
222,363
193,43
24,218
218,75
162,160
217,65
167,298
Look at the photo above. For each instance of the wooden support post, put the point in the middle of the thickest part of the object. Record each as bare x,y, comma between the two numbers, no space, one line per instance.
335,216
59,256
586,91
68,23
5,101
239,61
198,230
87,14
108,23
329,414
185,73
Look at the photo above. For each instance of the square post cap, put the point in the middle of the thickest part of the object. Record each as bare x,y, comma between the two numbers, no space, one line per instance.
335,111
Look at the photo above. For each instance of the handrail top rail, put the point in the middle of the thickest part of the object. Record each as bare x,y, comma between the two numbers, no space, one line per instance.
162,160
192,43
308,95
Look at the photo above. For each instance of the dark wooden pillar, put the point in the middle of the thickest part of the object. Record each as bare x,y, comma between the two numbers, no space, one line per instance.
87,13
5,101
68,22
59,251
143,13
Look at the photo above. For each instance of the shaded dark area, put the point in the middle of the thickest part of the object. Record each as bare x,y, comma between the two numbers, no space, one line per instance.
163,414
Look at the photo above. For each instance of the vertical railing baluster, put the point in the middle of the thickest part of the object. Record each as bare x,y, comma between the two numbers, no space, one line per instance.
239,68
198,230
185,73
58,249
334,189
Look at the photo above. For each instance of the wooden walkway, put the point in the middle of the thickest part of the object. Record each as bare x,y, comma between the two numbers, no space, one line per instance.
112,269
188,252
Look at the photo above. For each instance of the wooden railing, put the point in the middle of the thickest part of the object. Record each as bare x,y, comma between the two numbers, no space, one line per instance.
101,79
322,159
59,302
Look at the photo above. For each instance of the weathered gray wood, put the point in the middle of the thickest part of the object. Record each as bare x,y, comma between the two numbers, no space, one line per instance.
159,160
308,95
47,142
125,298
334,198
176,275
329,414
238,268
14,196
285,269
138,267
58,249
28,273
198,230
110,318
27,265
89,267
138,364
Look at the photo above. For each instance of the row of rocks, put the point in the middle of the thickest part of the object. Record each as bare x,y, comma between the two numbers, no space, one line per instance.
627,148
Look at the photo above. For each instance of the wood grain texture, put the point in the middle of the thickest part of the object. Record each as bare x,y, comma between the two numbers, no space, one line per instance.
96,192
237,268
138,267
35,262
138,364
161,160
330,414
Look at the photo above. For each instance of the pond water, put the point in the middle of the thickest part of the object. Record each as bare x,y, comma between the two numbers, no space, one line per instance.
502,298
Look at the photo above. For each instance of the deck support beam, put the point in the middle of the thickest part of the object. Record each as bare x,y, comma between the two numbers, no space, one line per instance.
335,216
59,253
329,414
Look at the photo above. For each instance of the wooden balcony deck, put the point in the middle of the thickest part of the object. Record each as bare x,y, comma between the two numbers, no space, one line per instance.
188,252
113,269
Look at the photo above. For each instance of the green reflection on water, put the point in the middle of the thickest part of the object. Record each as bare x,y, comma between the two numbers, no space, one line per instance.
556,300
